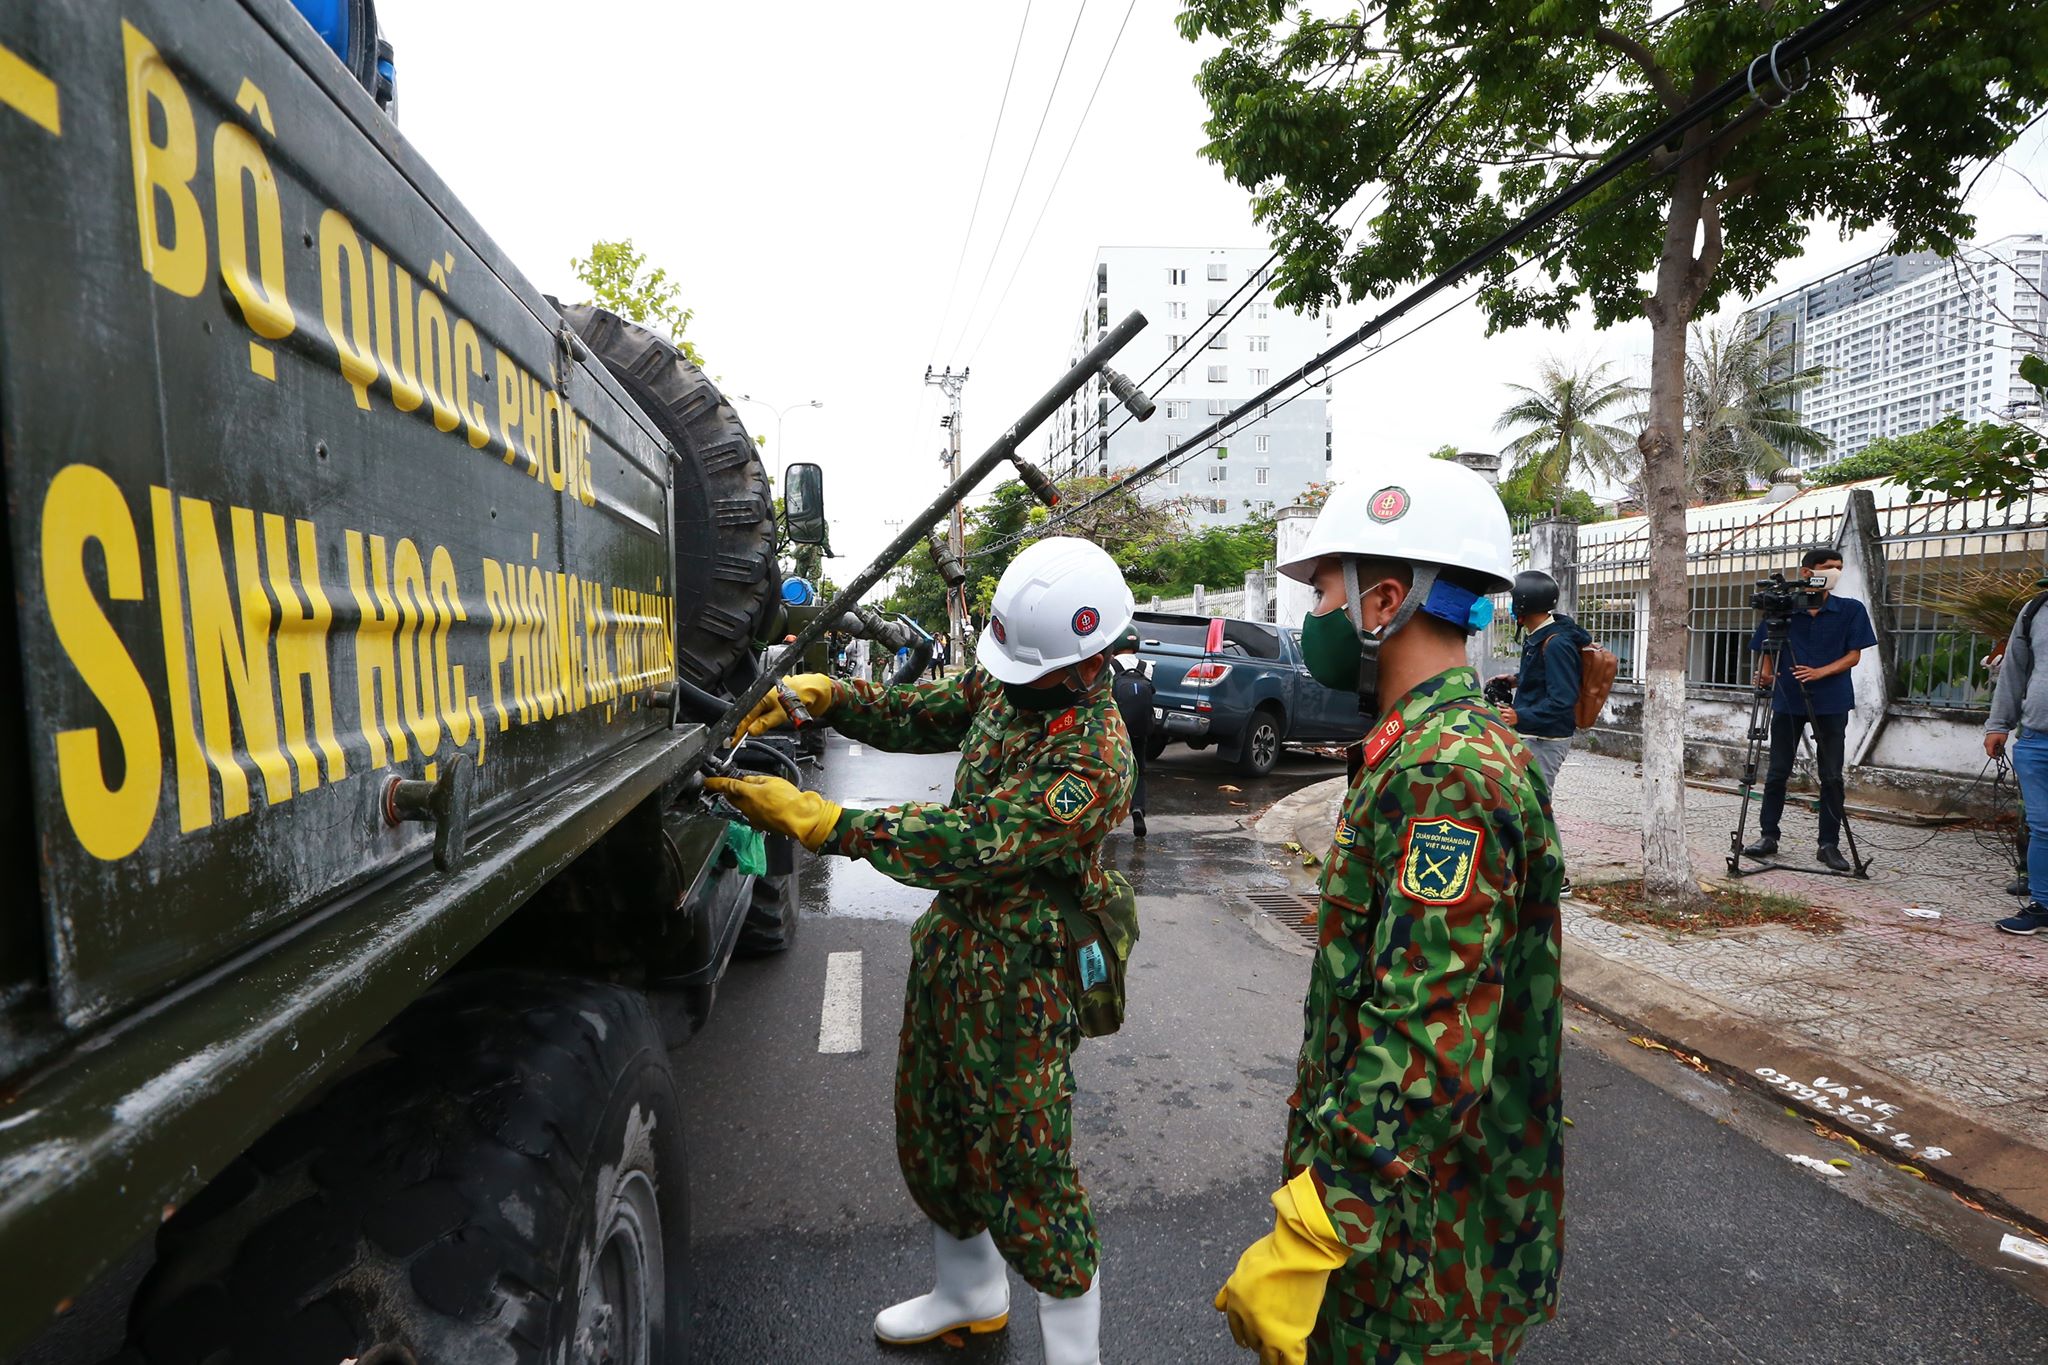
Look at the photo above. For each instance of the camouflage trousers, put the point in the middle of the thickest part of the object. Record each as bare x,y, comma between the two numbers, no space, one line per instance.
984,1102
1343,1344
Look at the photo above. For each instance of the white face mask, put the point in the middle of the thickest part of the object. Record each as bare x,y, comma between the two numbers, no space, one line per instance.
1828,577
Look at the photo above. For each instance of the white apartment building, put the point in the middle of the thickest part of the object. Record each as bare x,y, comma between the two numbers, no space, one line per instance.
1188,295
1911,340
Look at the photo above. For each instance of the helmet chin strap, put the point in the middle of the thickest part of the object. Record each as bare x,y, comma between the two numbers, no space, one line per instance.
1369,641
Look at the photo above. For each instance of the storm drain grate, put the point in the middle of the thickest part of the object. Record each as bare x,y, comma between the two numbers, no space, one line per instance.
1290,910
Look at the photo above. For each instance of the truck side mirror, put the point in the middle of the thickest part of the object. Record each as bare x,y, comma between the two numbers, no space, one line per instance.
803,503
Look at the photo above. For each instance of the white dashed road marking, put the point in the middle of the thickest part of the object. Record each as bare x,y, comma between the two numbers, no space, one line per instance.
839,1024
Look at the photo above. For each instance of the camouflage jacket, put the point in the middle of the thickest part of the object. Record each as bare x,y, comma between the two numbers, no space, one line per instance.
1034,790
1428,1104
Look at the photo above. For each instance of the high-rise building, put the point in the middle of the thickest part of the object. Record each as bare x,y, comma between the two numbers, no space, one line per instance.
1216,362
1906,341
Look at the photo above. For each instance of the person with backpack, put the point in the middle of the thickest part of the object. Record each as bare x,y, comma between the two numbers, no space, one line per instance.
1545,710
1001,984
2021,697
1134,700
1420,1218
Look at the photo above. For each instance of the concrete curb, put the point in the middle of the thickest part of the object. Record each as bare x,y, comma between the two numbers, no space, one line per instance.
2003,1171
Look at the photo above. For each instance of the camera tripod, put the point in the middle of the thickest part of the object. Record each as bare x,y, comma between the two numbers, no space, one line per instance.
1777,639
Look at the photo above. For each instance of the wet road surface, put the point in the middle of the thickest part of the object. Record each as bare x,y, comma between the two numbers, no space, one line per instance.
1689,1235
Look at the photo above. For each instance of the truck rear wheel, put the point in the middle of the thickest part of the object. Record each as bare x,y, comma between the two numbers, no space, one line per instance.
501,1179
725,570
771,918
1261,743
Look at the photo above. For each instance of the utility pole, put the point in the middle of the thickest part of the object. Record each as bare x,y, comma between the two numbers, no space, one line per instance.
951,384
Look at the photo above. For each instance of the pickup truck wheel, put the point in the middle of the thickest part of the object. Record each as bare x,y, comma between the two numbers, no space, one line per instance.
502,1179
1261,744
771,918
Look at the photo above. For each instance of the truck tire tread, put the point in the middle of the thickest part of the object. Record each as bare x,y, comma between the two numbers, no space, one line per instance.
426,1198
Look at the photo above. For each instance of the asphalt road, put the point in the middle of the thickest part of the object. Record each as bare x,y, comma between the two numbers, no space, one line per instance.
1690,1236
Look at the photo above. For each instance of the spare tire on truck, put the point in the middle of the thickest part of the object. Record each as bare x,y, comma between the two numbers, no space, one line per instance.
725,568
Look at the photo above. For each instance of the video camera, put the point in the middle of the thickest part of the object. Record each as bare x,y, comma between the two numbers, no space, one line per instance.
1500,691
1779,599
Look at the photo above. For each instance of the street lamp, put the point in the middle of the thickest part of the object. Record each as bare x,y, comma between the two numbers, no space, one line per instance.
807,403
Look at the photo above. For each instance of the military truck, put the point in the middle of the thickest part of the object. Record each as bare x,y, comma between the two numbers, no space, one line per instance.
366,614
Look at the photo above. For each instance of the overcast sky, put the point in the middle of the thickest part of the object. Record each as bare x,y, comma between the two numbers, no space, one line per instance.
806,169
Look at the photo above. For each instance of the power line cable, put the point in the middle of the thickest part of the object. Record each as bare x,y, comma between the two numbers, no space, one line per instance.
1825,32
1023,174
987,160
1053,188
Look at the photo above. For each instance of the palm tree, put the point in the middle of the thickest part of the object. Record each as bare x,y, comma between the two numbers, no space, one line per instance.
1562,433
1739,420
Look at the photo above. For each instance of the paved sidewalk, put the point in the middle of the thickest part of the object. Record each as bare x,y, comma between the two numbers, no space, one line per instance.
1929,1039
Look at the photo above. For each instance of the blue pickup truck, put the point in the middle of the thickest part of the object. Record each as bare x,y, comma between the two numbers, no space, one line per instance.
1240,686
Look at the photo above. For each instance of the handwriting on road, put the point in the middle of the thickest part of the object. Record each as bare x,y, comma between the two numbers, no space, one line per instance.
1879,1120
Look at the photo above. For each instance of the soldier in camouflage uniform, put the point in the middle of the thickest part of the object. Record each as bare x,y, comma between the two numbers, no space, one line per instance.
984,1120
1421,1218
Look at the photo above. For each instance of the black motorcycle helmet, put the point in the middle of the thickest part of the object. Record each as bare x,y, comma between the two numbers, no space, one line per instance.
1533,592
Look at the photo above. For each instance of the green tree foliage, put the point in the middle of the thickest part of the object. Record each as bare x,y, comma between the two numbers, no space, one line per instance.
1955,459
1739,422
1469,112
1561,431
1524,500
618,279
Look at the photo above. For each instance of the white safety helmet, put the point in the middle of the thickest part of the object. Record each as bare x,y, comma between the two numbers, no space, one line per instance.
1421,511
1061,600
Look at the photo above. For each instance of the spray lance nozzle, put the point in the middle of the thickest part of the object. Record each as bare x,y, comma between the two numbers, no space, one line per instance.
1129,394
948,564
1034,478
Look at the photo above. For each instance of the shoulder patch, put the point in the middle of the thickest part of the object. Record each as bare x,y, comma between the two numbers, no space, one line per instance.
1438,859
1347,833
1383,738
1065,721
1069,797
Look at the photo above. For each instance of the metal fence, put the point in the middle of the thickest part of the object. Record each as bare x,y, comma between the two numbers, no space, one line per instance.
1502,652
1956,572
1725,556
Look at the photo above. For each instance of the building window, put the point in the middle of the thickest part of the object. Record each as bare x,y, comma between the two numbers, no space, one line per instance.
1262,475
1218,270
1219,505
1262,310
1261,343
1173,474
1176,276
1219,342
1262,377
1102,279
1219,406
1219,374
1176,311
1174,341
1262,444
1218,473
1176,410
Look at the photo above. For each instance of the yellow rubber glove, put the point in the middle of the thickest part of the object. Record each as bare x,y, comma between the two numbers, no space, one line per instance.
1273,1296
814,690
779,807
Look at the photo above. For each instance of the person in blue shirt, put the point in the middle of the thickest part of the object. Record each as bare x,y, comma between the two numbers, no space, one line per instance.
1824,643
1547,687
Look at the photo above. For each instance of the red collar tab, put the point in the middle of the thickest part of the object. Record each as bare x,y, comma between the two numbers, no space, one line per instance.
1065,721
1384,737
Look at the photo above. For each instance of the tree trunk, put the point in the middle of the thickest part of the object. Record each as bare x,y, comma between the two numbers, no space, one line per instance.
1667,860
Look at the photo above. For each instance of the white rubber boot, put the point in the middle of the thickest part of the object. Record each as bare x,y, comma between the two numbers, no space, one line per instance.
972,1294
1072,1327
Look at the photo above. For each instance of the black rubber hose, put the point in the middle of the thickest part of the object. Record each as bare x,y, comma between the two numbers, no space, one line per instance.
913,668
754,748
698,704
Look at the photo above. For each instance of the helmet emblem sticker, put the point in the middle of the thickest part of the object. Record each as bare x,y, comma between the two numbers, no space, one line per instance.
1388,504
1086,620
996,624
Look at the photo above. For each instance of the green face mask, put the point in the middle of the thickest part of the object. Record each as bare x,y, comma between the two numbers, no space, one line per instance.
1329,646
1041,698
